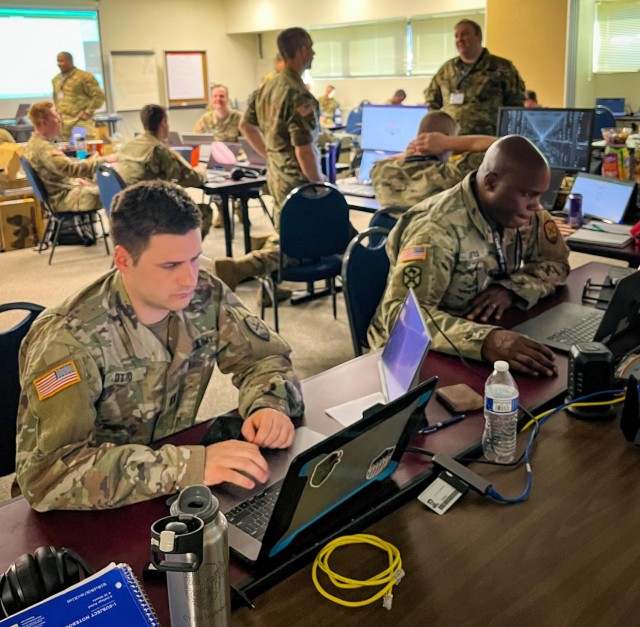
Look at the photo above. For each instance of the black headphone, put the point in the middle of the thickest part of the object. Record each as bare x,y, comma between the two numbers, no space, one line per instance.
239,173
33,578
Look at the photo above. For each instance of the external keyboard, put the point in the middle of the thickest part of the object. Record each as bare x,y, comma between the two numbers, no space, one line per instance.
584,331
252,516
355,188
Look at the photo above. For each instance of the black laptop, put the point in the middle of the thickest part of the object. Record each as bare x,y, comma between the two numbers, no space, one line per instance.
567,324
21,114
339,469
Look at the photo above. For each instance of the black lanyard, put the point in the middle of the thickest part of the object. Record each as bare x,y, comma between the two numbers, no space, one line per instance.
464,70
502,259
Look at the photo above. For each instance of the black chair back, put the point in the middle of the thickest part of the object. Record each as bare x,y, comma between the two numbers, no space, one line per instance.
10,382
109,184
39,190
364,277
386,219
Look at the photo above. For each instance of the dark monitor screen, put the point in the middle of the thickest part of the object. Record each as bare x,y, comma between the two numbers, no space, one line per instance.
562,135
390,127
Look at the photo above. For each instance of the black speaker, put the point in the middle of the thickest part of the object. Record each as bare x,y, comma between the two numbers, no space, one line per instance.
590,370
33,578
630,418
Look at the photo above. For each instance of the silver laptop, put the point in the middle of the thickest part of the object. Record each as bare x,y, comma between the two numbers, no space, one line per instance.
399,365
567,324
253,156
360,185
320,486
230,149
174,139
605,199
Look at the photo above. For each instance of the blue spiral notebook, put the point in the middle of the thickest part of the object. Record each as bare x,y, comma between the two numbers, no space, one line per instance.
111,597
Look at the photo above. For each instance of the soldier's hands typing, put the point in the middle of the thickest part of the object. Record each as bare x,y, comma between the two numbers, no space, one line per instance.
522,353
492,302
237,462
269,428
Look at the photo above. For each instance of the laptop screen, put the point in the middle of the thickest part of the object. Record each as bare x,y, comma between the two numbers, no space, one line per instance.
390,127
603,198
369,157
405,350
615,105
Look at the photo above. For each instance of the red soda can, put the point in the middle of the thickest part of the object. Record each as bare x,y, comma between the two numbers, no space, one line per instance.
574,218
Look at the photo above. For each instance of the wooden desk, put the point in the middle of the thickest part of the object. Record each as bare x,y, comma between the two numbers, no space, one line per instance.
228,190
447,559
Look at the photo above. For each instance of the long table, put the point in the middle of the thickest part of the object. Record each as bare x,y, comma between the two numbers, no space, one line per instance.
123,534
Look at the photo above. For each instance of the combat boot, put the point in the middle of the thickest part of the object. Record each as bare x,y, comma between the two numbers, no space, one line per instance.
233,271
282,294
217,223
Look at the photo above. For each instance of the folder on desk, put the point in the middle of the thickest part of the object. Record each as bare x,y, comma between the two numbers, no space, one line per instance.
600,238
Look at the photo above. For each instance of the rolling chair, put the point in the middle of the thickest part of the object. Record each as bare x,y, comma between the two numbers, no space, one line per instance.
385,219
604,119
314,231
57,218
109,184
364,278
10,381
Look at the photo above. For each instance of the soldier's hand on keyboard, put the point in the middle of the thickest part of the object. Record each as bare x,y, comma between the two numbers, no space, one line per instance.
240,463
522,353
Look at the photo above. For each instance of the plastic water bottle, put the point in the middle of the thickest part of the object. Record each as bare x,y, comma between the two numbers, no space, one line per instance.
500,415
337,117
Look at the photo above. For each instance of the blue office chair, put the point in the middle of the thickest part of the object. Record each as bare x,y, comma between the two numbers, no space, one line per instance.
354,122
604,119
329,160
364,278
109,184
314,231
57,218
10,382
384,218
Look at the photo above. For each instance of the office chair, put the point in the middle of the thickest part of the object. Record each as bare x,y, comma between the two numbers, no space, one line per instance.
364,278
10,381
604,119
57,218
314,232
109,184
329,160
384,218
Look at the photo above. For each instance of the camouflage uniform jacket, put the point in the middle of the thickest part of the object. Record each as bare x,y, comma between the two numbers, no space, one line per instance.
98,388
444,249
328,108
146,158
6,137
287,115
74,94
404,184
58,172
492,82
223,129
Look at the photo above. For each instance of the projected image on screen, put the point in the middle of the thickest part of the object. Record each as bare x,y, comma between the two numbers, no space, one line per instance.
562,135
30,40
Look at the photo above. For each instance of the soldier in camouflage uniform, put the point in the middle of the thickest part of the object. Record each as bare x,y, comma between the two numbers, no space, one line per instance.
281,123
472,87
222,121
6,137
474,250
328,105
402,181
148,157
65,179
126,361
77,96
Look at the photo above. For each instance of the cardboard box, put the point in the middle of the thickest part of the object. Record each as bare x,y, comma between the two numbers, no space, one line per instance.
10,161
17,228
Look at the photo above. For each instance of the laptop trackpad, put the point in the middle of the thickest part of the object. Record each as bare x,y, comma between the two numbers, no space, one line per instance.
351,411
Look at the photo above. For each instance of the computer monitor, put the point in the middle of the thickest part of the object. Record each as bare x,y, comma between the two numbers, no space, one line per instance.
615,105
562,135
390,127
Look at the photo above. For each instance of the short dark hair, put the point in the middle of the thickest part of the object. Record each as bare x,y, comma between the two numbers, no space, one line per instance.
530,95
401,93
476,27
152,116
291,40
66,54
151,208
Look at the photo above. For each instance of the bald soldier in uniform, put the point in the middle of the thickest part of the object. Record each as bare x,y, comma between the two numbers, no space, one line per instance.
281,123
125,362
475,250
425,168
77,96
472,87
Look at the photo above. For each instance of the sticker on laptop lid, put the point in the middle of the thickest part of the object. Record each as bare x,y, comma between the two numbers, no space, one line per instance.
380,463
324,468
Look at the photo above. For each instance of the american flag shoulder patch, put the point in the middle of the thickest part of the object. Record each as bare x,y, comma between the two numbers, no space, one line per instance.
413,253
55,380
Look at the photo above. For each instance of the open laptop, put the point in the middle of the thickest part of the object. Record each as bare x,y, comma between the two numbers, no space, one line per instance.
174,139
605,199
254,158
223,156
336,471
615,105
21,114
360,185
567,324
399,365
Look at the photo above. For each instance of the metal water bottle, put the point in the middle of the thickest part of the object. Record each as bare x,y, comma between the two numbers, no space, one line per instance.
196,557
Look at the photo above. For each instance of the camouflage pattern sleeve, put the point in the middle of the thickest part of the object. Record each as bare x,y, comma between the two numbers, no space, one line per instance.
513,88
175,168
302,119
258,358
6,137
433,93
58,463
94,95
546,261
250,116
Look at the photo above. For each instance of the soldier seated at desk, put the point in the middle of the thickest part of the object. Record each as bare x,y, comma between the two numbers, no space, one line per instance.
126,362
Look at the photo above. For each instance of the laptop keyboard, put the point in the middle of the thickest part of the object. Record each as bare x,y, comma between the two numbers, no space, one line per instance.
353,188
584,331
252,516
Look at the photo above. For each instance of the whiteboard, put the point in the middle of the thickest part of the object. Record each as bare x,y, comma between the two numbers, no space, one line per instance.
134,79
186,77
